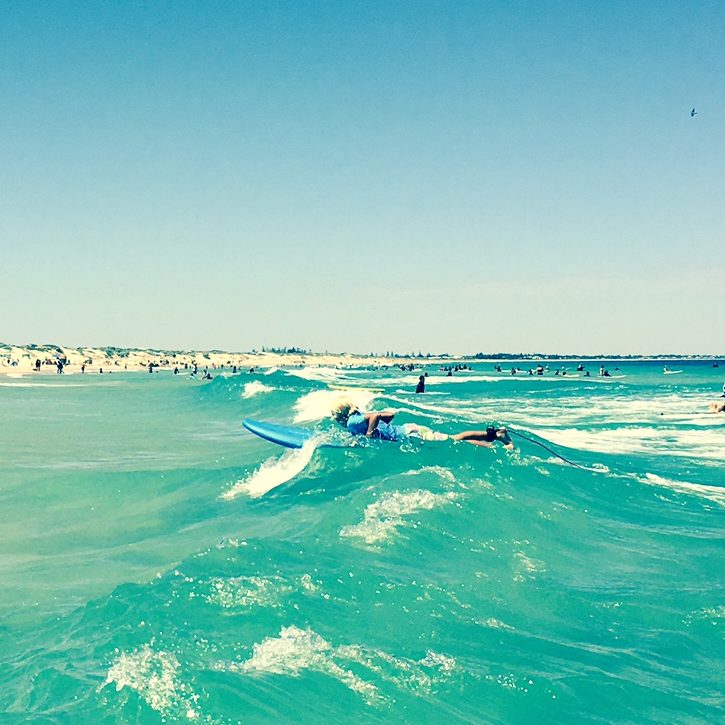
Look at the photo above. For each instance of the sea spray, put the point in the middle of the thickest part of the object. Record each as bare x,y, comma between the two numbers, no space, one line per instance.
273,472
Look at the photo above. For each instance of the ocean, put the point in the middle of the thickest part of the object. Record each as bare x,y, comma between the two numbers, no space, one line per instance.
161,564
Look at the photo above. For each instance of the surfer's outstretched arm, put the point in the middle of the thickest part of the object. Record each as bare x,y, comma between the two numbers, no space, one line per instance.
485,437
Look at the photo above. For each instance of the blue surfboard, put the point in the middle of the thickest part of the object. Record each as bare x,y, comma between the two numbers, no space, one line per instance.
283,435
289,436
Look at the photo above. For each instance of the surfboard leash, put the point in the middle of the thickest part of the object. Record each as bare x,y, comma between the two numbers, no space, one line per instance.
553,452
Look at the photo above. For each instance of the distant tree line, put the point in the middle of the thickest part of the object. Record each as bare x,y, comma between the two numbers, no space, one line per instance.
287,350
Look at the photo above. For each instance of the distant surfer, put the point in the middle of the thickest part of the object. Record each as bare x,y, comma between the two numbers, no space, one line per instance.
420,388
693,113
379,425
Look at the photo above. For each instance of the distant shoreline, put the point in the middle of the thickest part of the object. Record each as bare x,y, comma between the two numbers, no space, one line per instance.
22,359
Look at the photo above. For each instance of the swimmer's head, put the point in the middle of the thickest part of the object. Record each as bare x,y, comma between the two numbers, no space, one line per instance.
501,434
342,409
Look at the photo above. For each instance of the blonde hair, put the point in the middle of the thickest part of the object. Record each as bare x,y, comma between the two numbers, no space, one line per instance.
342,409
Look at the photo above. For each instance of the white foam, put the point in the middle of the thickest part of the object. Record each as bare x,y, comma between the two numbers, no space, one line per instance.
255,388
320,374
297,650
706,444
58,386
382,518
435,380
154,675
715,494
318,404
272,473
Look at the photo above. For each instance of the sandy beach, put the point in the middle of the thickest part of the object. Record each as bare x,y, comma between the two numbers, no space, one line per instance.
22,359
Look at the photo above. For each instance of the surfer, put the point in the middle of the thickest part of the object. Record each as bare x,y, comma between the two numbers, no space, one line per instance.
379,425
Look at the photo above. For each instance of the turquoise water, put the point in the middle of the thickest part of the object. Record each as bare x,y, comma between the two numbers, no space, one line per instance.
160,564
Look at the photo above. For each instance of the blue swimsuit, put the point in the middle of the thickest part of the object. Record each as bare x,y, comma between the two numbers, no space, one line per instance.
357,425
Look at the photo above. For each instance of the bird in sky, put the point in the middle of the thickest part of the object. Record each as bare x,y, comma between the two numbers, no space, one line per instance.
693,113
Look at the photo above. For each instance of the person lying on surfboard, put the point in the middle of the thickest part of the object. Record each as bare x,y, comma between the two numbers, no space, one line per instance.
379,425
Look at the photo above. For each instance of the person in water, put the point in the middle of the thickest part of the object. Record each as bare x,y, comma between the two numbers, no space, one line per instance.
379,425
420,388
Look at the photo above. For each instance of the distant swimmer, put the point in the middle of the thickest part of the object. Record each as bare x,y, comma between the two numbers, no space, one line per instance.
379,425
420,388
693,113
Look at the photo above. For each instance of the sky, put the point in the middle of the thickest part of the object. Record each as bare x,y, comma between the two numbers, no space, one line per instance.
427,176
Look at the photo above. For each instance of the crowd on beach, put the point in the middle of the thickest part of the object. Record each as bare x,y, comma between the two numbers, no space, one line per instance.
204,365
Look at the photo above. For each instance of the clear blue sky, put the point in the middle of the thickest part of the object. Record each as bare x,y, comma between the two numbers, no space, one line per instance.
436,176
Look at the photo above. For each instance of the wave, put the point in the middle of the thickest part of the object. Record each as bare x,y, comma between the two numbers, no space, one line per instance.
155,677
255,388
641,440
296,650
716,494
319,374
272,473
318,404
382,518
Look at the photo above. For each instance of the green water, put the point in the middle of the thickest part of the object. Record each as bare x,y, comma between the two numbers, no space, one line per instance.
160,564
